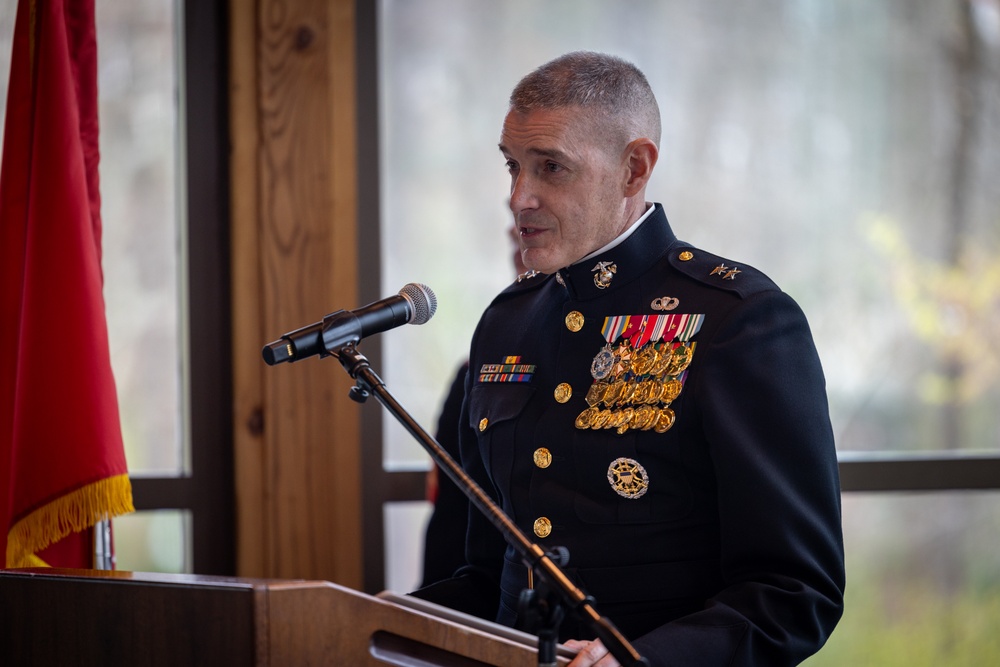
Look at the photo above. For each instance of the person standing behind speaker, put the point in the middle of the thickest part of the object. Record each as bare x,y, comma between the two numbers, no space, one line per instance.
444,538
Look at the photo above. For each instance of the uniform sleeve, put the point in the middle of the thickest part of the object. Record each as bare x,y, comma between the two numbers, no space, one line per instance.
762,400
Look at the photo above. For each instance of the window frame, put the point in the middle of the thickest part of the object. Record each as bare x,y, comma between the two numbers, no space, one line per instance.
207,492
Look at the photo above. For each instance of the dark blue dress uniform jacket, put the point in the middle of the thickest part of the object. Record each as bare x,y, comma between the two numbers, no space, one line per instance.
734,554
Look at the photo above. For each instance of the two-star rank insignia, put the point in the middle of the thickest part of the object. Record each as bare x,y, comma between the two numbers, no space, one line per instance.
725,272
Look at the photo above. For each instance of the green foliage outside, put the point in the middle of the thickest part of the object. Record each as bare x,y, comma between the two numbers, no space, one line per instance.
916,625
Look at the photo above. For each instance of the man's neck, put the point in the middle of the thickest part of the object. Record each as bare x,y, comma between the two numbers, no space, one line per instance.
621,237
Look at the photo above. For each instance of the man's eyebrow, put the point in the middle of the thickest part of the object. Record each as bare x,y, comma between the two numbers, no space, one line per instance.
553,153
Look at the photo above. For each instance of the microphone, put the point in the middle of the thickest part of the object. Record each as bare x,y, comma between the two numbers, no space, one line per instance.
414,304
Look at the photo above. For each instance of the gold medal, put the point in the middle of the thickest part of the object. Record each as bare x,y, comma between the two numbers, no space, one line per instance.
623,420
627,393
612,421
652,394
671,390
586,418
636,421
614,391
600,419
662,360
653,391
644,359
646,417
665,419
680,358
596,393
640,393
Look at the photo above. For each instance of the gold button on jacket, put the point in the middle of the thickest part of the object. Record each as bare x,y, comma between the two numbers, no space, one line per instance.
542,457
574,321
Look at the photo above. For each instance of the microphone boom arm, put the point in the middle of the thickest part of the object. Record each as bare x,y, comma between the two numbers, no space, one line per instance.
368,382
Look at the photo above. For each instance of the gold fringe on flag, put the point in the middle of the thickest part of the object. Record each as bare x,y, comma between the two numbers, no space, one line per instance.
35,561
71,513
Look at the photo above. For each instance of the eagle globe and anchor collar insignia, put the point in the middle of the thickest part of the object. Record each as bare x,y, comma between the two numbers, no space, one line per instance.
603,273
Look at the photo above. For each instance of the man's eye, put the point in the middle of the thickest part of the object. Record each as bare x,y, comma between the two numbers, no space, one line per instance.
511,165
553,167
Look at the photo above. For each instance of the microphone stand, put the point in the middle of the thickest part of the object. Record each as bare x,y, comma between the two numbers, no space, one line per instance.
557,587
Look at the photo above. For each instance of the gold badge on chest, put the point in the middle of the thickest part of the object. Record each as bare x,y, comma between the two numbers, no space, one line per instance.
628,478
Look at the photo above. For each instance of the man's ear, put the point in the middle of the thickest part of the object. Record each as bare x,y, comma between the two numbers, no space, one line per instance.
640,158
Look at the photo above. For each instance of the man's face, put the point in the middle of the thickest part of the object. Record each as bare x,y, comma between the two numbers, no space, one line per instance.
566,186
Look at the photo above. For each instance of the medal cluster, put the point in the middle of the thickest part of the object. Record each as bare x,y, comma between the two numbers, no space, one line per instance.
634,388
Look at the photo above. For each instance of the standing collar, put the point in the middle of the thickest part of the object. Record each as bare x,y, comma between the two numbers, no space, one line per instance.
621,237
630,256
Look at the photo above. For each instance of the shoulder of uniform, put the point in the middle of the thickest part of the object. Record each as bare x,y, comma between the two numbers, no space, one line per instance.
719,272
525,282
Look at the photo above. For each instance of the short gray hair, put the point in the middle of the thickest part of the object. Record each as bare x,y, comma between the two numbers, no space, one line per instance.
614,87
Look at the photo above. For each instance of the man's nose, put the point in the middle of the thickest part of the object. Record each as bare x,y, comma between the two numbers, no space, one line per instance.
522,193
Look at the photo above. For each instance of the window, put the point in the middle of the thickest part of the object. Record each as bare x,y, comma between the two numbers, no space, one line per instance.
849,149
140,147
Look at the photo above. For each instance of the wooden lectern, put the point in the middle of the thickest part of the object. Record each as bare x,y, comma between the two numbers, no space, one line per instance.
94,617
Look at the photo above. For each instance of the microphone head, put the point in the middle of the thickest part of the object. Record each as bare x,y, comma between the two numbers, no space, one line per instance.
422,301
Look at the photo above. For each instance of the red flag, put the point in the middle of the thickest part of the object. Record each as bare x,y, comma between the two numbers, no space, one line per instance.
62,462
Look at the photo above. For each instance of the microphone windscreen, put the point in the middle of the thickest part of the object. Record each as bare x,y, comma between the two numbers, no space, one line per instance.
422,299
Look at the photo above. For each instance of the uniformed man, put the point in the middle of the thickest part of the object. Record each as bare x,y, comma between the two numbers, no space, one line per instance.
656,409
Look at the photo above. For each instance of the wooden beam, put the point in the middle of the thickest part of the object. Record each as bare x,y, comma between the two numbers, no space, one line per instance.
294,241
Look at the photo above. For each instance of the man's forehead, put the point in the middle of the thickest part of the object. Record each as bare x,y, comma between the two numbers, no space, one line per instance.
541,132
